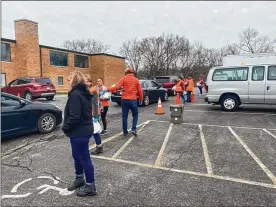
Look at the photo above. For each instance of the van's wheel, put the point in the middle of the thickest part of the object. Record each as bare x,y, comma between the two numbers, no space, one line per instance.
229,103
46,123
28,96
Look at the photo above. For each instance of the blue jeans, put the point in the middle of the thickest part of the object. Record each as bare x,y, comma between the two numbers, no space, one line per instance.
126,106
200,90
189,96
82,160
97,138
182,97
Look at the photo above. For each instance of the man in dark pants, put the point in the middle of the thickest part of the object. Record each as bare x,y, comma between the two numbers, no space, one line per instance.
131,88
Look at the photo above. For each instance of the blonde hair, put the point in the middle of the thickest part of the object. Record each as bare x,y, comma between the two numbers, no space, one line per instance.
88,77
76,78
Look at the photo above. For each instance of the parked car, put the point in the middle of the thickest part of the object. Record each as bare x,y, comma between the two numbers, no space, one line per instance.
31,88
167,82
151,90
231,86
20,116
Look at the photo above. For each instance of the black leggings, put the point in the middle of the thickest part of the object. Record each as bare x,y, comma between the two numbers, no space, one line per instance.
103,116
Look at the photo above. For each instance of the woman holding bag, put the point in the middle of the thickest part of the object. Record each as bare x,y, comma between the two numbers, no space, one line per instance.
78,127
104,103
95,115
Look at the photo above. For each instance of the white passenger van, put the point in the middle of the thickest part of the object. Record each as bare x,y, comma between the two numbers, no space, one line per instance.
231,86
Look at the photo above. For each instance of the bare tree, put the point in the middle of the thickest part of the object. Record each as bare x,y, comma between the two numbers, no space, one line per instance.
251,41
231,49
85,45
131,50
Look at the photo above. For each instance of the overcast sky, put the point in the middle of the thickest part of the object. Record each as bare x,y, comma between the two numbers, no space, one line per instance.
213,23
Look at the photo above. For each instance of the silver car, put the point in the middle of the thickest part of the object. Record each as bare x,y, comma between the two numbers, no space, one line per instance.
231,86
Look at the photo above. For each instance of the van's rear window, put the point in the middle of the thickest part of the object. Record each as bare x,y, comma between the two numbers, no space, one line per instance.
231,74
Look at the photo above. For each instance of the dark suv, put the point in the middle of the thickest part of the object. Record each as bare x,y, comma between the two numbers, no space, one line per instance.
31,88
167,82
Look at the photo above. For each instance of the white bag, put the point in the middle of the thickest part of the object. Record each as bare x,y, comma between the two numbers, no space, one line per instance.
97,127
173,88
106,95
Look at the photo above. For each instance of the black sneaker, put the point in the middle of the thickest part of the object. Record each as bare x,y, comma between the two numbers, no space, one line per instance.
87,190
126,134
134,133
79,182
98,150
104,132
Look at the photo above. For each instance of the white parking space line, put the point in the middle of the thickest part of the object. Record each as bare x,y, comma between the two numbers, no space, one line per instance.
264,168
225,178
269,133
127,143
161,152
202,111
116,135
205,152
211,125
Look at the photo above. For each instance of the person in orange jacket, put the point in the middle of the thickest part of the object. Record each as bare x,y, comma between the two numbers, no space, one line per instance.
104,103
180,88
131,88
190,88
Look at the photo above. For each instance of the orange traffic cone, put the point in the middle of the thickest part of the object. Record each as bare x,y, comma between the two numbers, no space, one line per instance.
159,109
193,97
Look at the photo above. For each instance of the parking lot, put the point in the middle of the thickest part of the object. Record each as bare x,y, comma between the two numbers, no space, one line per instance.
213,158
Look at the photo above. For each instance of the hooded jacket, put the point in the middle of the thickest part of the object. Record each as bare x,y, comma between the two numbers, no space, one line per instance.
78,113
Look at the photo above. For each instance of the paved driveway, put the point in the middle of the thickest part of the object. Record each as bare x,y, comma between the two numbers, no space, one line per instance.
212,159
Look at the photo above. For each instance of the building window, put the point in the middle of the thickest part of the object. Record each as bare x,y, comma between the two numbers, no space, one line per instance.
58,58
81,61
231,74
5,52
3,79
60,81
271,73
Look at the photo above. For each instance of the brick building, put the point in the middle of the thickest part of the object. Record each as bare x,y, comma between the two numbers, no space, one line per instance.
24,56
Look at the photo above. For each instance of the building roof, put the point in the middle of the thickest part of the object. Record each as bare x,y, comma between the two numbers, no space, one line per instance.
71,51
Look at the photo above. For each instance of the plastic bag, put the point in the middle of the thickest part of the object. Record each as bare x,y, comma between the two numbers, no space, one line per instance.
106,96
97,127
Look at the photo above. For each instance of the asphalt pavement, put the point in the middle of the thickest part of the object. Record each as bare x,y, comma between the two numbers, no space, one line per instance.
214,158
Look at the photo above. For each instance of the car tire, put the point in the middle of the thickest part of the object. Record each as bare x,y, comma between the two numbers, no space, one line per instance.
50,98
28,96
146,101
166,97
46,123
229,103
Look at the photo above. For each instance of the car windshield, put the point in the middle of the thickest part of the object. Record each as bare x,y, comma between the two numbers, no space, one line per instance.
162,80
44,81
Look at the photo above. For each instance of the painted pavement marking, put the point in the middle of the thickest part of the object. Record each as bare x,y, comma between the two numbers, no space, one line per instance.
269,133
264,168
225,178
205,152
161,152
127,143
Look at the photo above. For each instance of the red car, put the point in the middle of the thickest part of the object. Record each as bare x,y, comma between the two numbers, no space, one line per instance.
167,82
31,88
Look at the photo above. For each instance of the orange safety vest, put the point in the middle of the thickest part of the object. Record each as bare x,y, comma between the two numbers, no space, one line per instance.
191,85
185,81
178,88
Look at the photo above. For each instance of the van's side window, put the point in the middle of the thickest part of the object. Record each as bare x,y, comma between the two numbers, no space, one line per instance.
258,73
231,74
271,73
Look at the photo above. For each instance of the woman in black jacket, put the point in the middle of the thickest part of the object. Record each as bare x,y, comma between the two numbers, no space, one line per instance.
78,127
